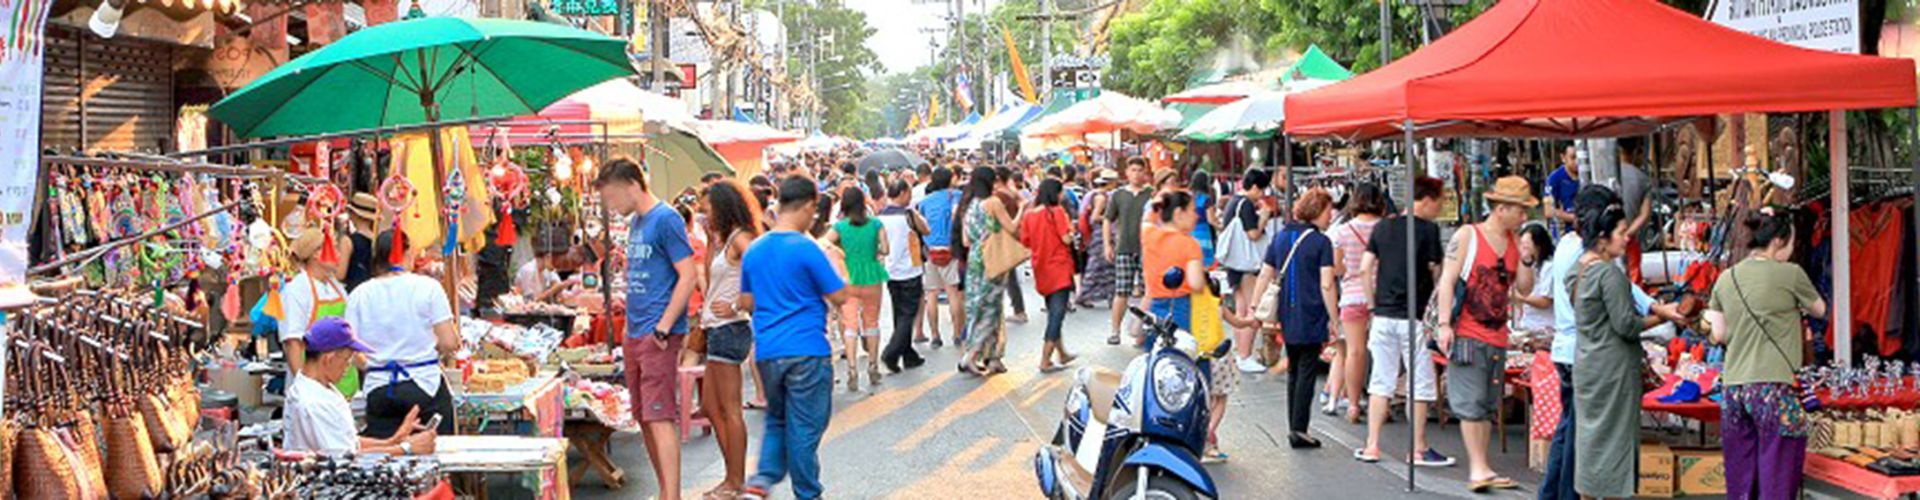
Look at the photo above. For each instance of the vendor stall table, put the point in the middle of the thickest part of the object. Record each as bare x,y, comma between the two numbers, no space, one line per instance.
1860,480
589,435
536,400
473,457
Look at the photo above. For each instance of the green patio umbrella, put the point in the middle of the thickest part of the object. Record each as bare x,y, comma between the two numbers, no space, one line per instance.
676,159
422,71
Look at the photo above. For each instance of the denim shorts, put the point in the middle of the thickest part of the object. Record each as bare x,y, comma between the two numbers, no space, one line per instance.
730,343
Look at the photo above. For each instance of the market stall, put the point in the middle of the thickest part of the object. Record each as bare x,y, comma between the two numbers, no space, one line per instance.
1545,69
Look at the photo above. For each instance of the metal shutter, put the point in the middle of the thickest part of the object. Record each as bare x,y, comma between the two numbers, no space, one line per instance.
106,94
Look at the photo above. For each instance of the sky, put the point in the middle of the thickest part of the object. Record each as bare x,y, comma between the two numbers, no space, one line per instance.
899,42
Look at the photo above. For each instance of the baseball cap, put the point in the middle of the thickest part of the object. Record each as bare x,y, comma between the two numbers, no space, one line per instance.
331,334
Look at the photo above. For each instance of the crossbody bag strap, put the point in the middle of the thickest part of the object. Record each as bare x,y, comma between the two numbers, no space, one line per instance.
1737,291
1473,254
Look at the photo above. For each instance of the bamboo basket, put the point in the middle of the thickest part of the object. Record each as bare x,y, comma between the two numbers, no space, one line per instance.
165,432
86,438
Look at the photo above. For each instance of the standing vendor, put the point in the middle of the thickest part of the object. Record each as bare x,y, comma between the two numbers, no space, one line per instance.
409,323
313,294
319,418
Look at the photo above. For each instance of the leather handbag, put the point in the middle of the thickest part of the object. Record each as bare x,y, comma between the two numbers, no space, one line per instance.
1003,253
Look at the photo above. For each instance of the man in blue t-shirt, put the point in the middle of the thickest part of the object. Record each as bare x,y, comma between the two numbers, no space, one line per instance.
786,280
942,273
1562,184
658,256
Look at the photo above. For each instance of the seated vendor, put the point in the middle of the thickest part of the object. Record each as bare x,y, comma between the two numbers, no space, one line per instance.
318,417
539,281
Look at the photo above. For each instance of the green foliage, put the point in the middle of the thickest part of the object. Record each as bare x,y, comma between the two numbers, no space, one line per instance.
1160,48
842,64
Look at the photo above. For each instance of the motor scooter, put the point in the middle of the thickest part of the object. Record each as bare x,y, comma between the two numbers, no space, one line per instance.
1136,434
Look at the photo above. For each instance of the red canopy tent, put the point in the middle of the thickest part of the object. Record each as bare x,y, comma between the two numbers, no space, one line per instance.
1591,68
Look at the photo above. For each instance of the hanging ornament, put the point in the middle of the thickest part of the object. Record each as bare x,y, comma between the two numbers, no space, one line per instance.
562,165
508,183
396,196
456,198
325,202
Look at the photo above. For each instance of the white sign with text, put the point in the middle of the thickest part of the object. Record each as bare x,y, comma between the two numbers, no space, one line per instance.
1830,25
22,62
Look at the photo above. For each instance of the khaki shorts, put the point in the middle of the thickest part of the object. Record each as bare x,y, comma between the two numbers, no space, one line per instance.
938,277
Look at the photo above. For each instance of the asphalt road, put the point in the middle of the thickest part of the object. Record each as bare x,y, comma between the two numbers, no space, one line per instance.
936,433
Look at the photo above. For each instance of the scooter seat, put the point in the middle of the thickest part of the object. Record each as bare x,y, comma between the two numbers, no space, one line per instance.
1100,392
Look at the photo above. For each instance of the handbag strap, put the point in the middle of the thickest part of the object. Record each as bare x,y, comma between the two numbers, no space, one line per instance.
1734,275
1296,247
1473,254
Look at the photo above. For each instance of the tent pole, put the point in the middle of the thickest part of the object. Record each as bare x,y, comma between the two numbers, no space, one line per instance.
1842,258
1913,129
1413,349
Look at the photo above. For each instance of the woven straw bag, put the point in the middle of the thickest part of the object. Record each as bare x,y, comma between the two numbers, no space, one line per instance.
9,437
45,472
131,469
186,402
164,430
86,441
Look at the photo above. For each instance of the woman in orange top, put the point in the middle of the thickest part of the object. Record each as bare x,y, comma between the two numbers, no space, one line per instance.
1168,244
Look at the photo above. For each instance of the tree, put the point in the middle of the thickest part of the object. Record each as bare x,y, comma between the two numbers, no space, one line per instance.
1160,48
830,38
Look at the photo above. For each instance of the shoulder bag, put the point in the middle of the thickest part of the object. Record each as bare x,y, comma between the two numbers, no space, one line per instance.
1003,252
1237,252
1269,305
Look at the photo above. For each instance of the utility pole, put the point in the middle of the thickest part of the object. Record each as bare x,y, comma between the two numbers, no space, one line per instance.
1046,46
657,29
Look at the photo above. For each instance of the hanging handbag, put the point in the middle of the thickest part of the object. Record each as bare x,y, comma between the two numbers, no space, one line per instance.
164,431
131,469
44,472
86,441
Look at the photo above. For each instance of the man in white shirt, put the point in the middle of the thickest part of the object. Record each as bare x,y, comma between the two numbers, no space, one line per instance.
318,417
537,280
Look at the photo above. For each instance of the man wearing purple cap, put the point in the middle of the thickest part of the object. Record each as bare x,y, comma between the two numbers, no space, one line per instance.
318,417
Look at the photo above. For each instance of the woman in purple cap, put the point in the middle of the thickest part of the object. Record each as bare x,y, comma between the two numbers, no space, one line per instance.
319,419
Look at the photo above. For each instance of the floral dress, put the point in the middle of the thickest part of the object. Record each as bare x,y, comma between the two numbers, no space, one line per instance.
985,298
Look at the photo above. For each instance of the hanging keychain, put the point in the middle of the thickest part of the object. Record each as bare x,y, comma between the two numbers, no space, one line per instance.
509,184
456,198
396,196
324,204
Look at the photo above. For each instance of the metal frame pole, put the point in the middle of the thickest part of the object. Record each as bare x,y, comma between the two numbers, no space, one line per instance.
1913,129
1413,318
1842,259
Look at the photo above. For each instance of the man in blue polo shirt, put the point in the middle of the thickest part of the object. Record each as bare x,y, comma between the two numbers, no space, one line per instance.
786,280
942,273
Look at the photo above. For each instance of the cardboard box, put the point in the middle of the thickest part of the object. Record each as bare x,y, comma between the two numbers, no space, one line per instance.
1656,477
1700,472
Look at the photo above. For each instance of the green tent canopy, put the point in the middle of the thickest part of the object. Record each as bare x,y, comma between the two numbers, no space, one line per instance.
1315,65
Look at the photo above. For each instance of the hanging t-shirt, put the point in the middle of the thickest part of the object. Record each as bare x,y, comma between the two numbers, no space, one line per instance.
655,241
789,278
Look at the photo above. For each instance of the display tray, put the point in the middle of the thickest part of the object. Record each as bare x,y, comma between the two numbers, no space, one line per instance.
561,322
1859,479
498,453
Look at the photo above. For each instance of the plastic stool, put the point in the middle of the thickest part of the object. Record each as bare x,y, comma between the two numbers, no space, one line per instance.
690,414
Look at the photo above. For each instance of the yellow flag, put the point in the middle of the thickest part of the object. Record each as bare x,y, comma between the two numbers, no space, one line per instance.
933,109
1019,68
913,123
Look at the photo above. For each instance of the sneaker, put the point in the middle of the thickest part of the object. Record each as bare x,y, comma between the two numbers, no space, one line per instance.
1250,365
1018,319
1432,458
1323,399
1113,339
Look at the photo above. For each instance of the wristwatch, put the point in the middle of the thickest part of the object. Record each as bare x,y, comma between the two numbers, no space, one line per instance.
406,447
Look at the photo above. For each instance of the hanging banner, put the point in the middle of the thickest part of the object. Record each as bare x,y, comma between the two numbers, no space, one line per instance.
22,62
1830,25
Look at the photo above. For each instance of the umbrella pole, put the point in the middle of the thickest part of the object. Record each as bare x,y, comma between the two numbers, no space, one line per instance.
449,276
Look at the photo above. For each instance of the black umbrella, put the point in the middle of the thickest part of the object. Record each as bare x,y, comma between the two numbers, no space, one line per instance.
889,159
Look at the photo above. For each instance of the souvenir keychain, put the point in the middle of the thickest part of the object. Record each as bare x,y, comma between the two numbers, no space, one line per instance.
509,184
456,199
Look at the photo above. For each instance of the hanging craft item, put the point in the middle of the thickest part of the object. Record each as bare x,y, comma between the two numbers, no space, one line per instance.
509,184
396,196
456,199
325,202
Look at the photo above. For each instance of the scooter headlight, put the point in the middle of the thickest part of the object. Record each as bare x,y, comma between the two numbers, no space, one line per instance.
1174,383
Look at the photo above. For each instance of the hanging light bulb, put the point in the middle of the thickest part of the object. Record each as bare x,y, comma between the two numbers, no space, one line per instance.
562,165
106,18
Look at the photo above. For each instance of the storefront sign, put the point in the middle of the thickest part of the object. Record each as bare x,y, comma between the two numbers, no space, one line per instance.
1830,25
22,63
586,7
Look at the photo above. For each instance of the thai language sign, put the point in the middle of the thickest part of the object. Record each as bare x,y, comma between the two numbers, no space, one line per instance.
1830,25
